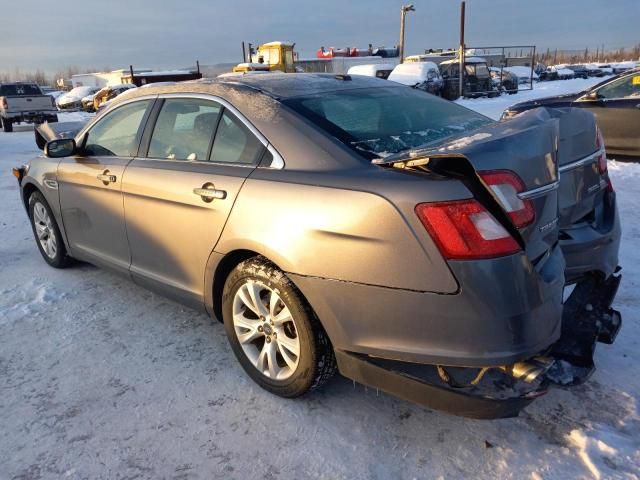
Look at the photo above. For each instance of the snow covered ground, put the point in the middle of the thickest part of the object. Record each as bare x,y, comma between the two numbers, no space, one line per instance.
493,107
102,379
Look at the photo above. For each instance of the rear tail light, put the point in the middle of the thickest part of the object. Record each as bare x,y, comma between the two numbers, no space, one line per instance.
602,160
599,139
506,186
465,230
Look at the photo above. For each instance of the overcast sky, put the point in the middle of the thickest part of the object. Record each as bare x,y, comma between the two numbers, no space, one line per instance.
174,33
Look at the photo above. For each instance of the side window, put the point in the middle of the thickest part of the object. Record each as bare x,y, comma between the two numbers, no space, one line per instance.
274,56
114,135
184,129
234,142
621,88
288,57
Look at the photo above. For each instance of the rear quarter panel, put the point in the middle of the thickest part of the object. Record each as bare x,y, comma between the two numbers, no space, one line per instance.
316,225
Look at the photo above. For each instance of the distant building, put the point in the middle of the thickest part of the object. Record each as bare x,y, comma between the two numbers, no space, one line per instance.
104,79
144,78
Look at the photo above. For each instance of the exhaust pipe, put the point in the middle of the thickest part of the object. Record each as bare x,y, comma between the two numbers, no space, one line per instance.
530,370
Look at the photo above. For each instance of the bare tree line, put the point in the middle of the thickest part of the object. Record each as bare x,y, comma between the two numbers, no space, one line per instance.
588,55
41,77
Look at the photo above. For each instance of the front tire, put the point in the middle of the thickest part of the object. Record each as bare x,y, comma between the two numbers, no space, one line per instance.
273,331
46,232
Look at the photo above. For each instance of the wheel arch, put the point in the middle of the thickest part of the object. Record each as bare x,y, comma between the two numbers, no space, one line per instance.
28,187
219,268
225,264
27,190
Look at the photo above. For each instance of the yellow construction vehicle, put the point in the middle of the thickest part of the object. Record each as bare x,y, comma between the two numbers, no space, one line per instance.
270,56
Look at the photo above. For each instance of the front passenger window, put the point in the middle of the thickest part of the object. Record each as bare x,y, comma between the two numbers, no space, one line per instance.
622,88
115,134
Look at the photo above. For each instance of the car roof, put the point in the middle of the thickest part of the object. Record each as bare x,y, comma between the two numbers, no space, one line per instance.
278,85
287,85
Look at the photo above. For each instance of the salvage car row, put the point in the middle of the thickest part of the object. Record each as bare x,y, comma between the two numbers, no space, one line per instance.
353,224
26,102
480,79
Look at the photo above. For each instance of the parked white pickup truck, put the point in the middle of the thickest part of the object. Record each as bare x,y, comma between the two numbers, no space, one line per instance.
25,102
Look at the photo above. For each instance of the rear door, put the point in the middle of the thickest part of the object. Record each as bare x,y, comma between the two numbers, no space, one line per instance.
90,186
179,193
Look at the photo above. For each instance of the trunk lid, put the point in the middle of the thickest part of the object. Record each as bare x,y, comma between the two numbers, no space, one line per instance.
526,146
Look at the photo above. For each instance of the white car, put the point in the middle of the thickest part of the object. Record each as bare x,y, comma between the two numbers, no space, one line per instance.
421,75
380,70
72,100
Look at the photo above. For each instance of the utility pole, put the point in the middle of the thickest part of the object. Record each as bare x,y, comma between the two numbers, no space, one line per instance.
403,13
462,52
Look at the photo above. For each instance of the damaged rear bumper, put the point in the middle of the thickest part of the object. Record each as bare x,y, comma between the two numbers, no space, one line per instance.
587,319
501,392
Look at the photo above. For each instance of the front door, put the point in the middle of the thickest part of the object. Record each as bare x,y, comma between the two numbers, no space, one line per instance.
617,110
90,187
178,196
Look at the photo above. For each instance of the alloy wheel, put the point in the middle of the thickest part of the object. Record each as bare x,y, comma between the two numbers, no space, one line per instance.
44,230
266,330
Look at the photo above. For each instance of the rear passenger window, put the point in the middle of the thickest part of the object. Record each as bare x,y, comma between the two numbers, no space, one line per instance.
184,129
234,142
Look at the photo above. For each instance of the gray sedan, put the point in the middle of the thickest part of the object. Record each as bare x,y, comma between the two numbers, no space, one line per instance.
329,222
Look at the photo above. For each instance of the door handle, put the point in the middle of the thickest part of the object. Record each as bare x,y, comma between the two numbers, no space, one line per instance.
209,193
106,177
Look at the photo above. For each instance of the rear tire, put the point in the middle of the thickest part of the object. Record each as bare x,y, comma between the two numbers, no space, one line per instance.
46,232
273,331
7,125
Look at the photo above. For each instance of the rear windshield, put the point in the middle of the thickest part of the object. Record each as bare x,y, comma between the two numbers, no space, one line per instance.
19,90
378,122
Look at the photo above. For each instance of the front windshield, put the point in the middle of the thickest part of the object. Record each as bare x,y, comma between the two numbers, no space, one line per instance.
378,122
482,70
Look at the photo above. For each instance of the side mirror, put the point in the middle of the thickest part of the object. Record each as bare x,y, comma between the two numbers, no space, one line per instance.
64,147
590,97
